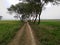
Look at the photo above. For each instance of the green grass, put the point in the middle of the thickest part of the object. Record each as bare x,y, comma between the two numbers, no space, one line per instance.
7,30
47,32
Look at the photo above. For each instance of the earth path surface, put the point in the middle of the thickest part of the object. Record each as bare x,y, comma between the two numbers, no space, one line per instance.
24,36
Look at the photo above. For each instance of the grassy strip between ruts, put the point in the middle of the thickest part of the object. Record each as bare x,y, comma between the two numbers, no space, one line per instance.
47,33
7,30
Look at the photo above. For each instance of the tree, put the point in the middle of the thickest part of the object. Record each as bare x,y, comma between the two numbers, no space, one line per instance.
32,6
0,17
21,8
41,4
17,9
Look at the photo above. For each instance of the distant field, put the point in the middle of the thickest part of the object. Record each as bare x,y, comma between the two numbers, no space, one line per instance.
47,32
8,30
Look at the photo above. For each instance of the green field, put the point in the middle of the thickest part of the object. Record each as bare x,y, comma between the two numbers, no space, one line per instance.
7,30
47,32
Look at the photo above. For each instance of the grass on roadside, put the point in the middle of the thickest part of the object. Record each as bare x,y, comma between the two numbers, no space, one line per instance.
8,30
48,33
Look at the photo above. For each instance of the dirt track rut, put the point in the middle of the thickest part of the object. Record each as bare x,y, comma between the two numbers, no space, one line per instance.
29,36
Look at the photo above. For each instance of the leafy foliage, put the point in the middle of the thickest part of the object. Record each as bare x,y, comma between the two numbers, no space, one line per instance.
32,6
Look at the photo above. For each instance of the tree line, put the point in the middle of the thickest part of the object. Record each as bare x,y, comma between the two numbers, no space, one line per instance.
31,8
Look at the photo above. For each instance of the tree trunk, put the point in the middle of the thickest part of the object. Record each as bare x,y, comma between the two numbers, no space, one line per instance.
40,14
39,19
19,17
35,18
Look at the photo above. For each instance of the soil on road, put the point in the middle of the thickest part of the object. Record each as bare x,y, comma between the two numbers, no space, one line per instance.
24,36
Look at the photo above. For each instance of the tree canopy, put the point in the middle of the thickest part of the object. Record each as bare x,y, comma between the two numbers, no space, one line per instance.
32,6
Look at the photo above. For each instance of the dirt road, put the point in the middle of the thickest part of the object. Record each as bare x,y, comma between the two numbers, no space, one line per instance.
24,36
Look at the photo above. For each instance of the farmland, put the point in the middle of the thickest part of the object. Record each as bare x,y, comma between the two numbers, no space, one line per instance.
47,32
7,30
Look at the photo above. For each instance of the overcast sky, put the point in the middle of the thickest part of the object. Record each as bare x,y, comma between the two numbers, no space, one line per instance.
51,12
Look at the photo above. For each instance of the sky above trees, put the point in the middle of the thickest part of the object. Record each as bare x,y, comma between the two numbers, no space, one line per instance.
51,12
